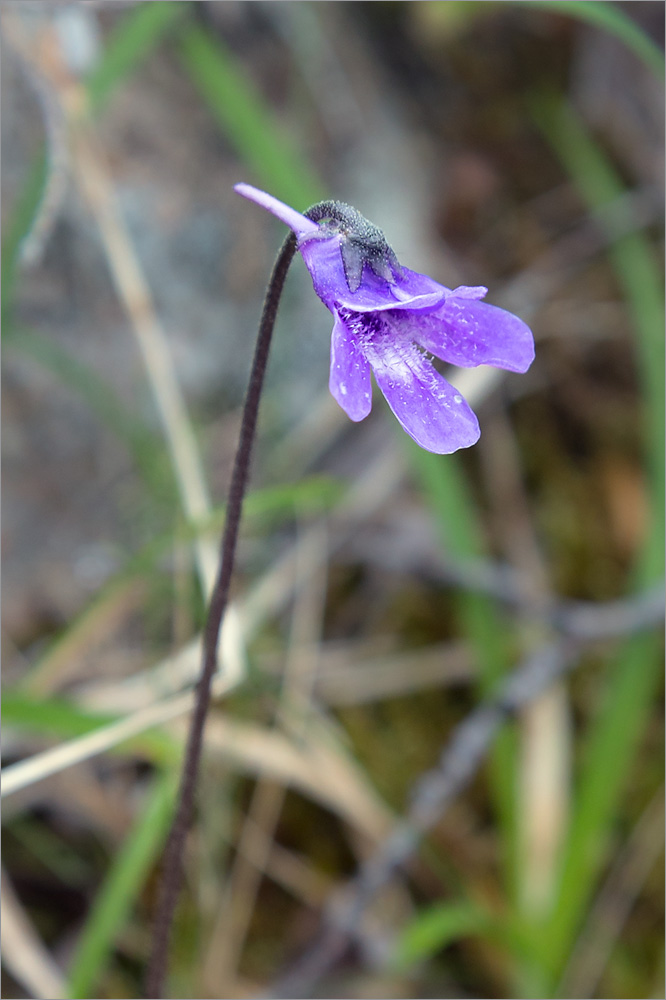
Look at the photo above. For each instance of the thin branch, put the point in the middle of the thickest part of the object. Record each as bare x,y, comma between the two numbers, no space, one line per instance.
459,762
587,621
584,620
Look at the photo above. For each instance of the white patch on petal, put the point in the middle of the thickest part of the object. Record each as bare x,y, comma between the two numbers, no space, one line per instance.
469,292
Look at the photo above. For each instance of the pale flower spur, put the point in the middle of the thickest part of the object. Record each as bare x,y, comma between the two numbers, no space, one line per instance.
388,319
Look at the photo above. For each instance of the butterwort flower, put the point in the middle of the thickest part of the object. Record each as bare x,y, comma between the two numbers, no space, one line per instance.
390,320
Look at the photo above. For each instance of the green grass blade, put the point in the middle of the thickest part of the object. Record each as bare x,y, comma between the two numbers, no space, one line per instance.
613,737
311,495
134,37
20,221
147,450
60,718
609,17
445,488
436,927
49,716
461,535
633,261
114,902
610,749
51,851
263,509
242,114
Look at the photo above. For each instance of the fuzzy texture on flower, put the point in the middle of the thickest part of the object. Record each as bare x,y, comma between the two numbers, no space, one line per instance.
388,320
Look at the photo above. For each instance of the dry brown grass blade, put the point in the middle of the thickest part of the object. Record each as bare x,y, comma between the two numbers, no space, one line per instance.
132,288
62,662
348,677
44,57
613,905
545,730
285,868
239,896
23,954
316,768
238,901
545,786
378,482
43,765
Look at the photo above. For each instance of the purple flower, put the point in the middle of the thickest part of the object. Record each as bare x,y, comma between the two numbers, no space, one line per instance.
389,319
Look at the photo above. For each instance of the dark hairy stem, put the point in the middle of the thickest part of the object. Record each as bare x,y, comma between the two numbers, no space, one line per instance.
173,853
374,251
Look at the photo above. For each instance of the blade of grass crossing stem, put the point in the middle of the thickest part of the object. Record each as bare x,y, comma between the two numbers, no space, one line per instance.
134,37
614,734
270,506
242,114
61,718
48,716
450,500
609,17
122,886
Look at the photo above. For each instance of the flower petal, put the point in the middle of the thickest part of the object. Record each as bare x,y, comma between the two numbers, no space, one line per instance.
470,292
468,333
323,258
350,373
430,410
301,225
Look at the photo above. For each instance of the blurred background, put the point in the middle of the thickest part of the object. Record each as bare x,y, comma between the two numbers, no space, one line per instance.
380,592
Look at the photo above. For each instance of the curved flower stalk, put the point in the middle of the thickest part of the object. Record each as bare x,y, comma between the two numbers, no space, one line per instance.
388,320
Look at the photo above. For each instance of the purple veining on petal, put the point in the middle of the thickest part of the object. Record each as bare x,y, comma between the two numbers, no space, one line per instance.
385,326
469,333
432,412
350,373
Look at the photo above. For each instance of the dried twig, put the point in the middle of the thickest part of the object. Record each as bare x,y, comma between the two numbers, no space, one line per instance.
268,596
459,762
584,620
